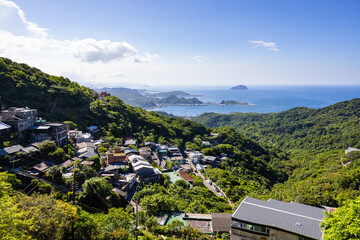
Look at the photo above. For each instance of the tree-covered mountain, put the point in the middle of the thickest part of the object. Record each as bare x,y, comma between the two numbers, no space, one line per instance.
333,127
315,140
22,86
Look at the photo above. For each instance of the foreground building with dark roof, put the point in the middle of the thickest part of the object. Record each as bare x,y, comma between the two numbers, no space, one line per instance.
273,219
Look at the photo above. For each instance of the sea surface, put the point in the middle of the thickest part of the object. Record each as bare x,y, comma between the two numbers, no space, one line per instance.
267,99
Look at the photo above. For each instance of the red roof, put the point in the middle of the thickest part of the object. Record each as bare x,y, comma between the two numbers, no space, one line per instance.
186,176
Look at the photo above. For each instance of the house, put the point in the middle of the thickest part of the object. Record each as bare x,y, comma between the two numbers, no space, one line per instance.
186,168
67,163
177,158
153,146
196,157
116,156
103,95
86,150
87,163
19,119
92,129
144,170
186,177
49,131
130,141
113,171
174,149
40,169
206,144
11,151
5,130
199,167
145,152
128,151
210,160
163,150
79,137
127,180
29,150
273,219
221,223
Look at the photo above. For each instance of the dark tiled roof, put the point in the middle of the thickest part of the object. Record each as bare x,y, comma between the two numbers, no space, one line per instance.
221,222
293,217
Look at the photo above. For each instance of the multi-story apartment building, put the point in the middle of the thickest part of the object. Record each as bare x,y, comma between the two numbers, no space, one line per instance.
19,119
49,131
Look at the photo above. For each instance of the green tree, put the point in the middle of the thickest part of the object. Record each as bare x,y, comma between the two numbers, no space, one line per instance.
98,193
54,174
344,223
47,147
71,125
59,155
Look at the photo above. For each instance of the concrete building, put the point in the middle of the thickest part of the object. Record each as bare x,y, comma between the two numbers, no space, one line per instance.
116,156
5,130
49,131
19,119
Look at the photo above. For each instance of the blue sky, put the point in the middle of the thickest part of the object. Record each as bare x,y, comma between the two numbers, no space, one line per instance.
213,42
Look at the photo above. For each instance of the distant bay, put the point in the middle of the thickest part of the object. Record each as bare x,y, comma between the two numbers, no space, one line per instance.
266,99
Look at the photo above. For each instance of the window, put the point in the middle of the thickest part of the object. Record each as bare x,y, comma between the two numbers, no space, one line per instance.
304,238
251,227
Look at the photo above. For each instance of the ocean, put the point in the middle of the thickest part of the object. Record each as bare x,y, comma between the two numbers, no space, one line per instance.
267,99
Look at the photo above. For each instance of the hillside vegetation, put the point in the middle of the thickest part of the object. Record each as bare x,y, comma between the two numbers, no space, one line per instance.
333,127
315,140
22,86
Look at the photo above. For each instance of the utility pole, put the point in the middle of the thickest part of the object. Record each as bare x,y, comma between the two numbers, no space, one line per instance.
137,219
74,182
73,201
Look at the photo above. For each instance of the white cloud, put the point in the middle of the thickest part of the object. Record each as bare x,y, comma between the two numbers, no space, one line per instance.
84,60
91,50
269,45
13,19
197,58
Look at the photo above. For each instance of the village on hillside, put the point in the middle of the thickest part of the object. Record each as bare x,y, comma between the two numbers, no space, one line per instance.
130,164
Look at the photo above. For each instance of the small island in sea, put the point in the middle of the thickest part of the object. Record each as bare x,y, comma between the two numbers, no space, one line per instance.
233,102
239,87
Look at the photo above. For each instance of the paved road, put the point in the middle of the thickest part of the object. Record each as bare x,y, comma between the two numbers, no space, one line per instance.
206,181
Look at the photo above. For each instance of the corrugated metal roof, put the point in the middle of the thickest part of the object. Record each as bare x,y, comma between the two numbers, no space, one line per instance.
293,217
4,126
10,150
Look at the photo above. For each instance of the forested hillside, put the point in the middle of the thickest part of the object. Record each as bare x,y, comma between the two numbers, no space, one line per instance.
333,127
315,140
23,86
